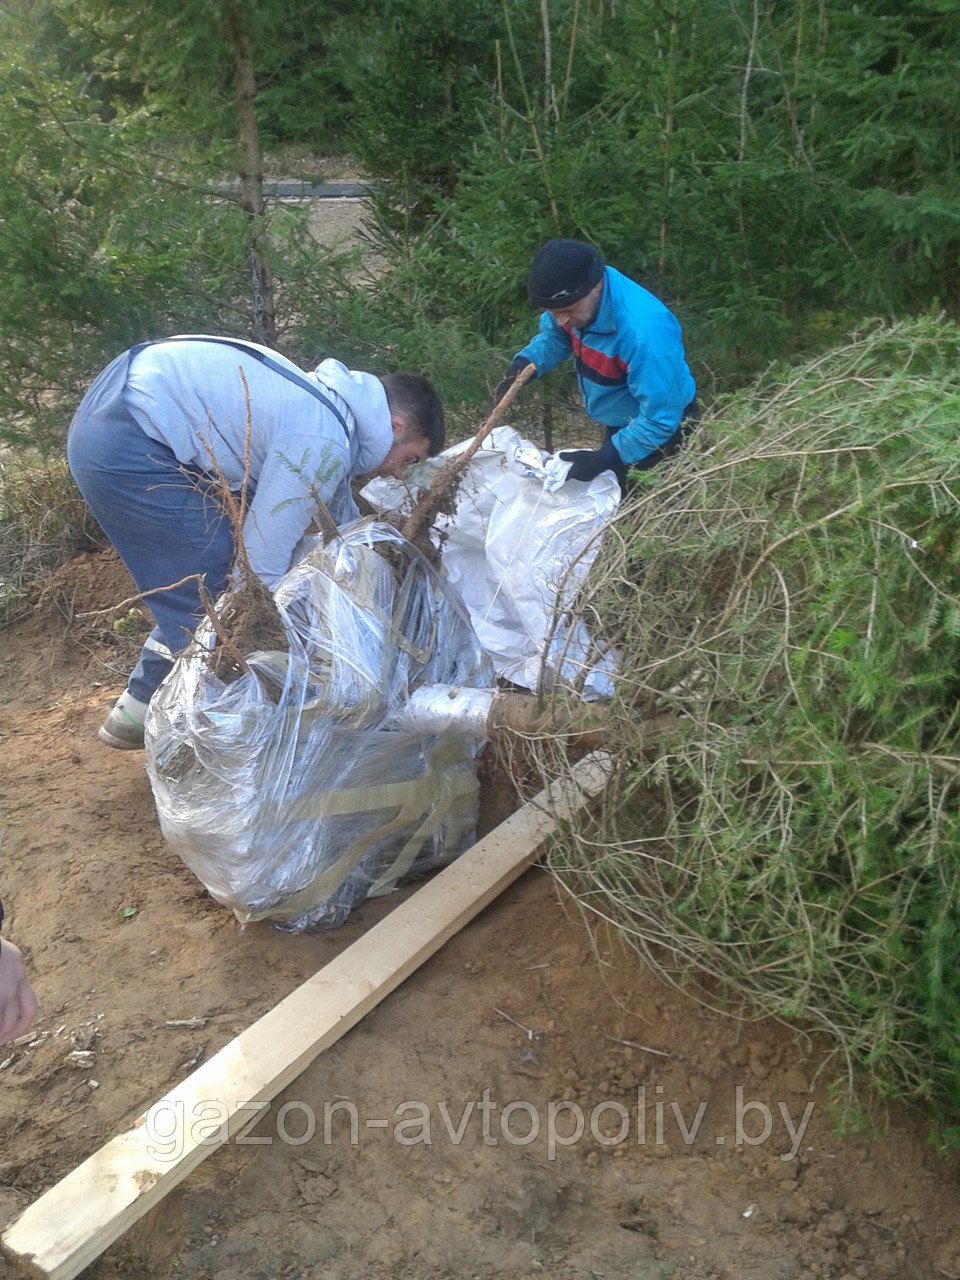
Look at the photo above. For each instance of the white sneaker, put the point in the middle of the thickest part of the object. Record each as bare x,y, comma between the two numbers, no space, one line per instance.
123,727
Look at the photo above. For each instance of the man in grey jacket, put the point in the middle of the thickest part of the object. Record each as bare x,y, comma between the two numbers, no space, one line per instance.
166,424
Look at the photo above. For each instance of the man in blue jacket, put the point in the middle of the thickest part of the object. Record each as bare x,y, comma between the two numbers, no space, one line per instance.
168,423
628,355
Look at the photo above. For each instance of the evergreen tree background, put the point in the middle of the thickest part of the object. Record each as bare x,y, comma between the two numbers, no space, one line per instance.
775,171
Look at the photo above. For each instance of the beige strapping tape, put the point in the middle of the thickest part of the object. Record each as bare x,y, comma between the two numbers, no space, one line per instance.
399,868
464,784
413,798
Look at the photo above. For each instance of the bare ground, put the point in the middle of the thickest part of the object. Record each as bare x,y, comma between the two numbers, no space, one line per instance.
121,940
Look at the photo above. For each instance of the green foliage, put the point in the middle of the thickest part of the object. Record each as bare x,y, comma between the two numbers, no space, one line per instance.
175,57
394,330
104,242
304,98
757,176
796,609
772,180
418,76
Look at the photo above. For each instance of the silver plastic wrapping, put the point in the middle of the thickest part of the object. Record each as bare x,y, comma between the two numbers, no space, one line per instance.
518,547
435,707
301,788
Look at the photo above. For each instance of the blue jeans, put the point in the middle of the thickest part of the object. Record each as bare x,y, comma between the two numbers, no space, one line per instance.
164,519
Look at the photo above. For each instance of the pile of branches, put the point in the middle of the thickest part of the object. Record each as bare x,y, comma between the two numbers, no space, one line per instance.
785,600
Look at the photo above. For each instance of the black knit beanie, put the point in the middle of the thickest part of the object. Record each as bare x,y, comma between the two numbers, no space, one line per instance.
562,272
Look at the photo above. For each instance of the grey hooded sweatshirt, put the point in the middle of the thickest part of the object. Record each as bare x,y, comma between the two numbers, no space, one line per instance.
213,405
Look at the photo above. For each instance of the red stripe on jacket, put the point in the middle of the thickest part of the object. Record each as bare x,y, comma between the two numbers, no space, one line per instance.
608,367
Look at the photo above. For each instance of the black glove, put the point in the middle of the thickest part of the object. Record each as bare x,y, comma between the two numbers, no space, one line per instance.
509,378
588,463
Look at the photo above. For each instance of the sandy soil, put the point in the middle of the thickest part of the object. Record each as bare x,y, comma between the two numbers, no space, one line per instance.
522,1007
334,222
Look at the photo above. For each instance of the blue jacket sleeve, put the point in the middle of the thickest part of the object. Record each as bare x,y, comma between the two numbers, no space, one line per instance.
660,382
548,347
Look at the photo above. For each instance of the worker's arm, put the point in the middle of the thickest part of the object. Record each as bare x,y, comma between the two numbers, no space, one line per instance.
285,502
508,379
659,381
547,348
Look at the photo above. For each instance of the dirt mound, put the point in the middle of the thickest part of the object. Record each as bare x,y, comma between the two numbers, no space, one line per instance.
91,581
439,1137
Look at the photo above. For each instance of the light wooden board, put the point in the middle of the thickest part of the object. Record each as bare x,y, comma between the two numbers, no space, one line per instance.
72,1223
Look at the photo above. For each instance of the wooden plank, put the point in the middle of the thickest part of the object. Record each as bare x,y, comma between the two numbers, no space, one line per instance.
72,1223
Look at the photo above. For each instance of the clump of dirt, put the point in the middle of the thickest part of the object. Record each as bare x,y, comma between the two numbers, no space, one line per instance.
92,587
440,498
246,620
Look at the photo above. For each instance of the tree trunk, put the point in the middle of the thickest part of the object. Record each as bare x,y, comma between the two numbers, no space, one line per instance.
263,320
586,725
